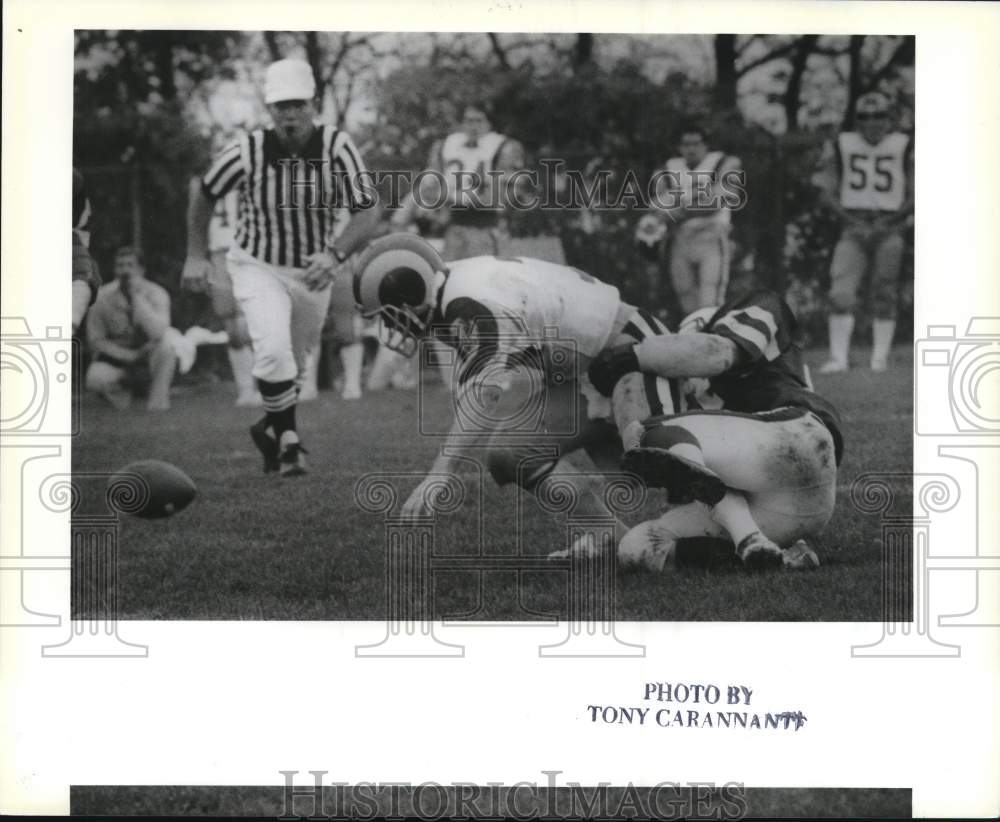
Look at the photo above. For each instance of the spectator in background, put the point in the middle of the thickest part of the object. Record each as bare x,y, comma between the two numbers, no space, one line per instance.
129,332
476,223
86,278
695,192
867,179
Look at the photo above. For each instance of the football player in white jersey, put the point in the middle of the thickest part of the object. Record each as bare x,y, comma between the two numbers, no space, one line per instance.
465,158
868,181
753,457
523,331
695,192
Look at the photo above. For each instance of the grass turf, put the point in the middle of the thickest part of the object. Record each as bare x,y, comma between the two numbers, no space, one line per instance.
256,547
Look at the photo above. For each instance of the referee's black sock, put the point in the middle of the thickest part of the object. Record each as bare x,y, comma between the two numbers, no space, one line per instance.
279,402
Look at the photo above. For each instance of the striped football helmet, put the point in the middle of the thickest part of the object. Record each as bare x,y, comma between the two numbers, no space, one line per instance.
396,279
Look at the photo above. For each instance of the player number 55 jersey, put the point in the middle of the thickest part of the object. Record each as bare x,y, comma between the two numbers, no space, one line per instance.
872,177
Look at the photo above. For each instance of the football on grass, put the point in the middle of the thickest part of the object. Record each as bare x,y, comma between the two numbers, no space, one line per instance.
151,489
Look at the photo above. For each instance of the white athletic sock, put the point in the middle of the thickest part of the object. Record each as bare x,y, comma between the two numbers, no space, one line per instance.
241,363
308,388
382,369
733,513
882,334
841,326
352,357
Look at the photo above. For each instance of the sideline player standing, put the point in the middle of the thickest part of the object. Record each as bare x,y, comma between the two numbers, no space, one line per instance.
86,279
476,223
868,181
293,180
699,249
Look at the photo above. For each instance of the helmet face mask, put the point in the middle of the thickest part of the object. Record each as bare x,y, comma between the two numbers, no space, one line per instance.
400,328
396,279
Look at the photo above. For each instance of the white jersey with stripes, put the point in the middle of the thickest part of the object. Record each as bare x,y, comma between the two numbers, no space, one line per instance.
290,206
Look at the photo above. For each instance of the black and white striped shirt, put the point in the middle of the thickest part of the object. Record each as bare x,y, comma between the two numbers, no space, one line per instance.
290,207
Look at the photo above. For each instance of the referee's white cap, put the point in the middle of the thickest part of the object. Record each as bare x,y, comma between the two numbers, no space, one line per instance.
288,79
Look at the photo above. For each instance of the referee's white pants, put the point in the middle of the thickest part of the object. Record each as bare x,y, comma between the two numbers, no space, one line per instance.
284,318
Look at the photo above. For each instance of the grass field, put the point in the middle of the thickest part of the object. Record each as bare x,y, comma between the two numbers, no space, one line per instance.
255,547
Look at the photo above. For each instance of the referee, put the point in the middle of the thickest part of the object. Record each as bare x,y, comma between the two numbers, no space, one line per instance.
303,209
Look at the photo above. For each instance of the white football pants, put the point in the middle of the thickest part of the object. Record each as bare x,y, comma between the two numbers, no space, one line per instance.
284,317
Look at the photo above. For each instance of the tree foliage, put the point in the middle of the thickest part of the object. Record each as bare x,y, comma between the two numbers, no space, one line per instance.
583,98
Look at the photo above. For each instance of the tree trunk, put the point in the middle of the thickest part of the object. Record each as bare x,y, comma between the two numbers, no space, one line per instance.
314,56
165,69
854,79
800,57
498,52
725,71
271,38
583,51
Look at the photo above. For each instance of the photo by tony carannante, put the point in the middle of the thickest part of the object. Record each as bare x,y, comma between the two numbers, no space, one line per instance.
445,325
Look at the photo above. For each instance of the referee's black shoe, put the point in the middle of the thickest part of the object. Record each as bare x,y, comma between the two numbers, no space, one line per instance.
292,460
266,444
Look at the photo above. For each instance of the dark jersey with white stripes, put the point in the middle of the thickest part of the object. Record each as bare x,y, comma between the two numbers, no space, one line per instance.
290,207
770,374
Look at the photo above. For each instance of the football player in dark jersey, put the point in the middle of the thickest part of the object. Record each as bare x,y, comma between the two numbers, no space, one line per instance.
754,457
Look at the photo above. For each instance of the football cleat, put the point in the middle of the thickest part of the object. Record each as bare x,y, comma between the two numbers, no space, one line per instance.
833,367
758,553
684,480
293,463
266,444
583,546
801,556
249,399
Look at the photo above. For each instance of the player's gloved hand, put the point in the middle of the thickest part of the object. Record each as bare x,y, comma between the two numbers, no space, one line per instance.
610,366
194,278
321,268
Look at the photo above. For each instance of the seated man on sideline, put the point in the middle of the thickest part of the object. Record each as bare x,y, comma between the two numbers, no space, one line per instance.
129,332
